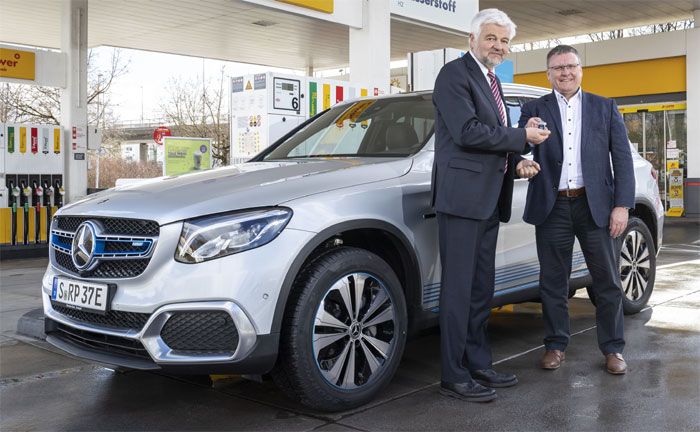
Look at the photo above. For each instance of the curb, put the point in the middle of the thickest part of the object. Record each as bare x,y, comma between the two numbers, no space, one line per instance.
32,324
12,252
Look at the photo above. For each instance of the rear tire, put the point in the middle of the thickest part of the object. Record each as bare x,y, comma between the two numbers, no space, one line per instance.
637,263
339,346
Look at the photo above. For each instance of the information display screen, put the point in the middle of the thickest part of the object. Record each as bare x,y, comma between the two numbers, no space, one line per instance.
287,94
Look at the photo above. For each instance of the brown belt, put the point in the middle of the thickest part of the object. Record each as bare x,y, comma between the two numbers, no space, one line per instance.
572,193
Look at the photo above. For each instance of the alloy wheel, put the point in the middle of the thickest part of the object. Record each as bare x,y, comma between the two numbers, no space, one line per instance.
354,331
635,265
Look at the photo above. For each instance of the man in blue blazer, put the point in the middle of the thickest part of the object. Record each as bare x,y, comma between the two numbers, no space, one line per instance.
584,190
472,191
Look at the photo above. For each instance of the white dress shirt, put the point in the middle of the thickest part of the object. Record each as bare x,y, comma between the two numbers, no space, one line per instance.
483,68
570,111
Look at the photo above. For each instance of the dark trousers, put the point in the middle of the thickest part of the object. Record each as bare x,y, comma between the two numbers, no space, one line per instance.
555,240
467,254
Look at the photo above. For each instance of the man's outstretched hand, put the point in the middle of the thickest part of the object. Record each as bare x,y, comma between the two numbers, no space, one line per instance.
536,136
527,168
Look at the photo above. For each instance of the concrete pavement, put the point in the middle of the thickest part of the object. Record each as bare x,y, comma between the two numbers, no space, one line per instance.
41,388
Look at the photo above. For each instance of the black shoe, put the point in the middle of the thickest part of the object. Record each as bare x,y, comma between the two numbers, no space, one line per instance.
469,391
491,378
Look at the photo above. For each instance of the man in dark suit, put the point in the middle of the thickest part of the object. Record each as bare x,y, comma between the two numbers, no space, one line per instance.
472,191
577,195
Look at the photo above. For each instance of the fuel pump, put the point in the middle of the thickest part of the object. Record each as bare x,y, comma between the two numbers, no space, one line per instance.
24,196
33,177
48,205
38,193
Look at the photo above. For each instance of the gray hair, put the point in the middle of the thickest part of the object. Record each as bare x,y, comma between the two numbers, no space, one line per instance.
562,49
492,16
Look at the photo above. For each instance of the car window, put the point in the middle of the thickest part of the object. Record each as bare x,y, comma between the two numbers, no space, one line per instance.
373,127
344,138
513,110
526,99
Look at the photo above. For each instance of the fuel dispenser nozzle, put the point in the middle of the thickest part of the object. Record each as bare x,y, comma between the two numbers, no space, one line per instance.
25,196
48,205
38,195
58,194
48,194
14,201
14,190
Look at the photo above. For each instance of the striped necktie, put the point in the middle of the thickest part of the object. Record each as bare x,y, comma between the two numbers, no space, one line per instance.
501,109
497,96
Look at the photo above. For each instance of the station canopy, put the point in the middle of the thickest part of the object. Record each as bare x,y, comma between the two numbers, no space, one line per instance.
239,31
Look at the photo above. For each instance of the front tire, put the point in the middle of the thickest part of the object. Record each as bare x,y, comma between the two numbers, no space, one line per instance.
344,331
637,261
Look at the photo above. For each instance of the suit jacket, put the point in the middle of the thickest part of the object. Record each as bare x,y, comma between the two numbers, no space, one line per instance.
471,144
603,140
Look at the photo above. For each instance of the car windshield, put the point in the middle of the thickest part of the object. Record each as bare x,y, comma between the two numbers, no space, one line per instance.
392,127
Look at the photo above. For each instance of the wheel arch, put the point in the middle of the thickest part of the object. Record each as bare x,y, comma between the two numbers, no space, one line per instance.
644,211
394,248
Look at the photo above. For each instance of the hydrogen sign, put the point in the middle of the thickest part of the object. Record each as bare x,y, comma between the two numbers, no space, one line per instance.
451,14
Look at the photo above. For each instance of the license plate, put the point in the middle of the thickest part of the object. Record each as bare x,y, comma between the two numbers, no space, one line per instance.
80,294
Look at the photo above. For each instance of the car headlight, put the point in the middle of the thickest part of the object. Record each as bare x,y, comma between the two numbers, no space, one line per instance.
215,236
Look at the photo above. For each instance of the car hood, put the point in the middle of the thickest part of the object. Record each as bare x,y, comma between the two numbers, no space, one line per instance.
248,185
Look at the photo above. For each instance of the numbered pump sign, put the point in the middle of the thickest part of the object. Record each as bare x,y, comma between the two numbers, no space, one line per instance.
266,106
184,155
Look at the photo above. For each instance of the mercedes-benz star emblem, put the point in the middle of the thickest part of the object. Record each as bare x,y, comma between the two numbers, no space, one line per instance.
83,246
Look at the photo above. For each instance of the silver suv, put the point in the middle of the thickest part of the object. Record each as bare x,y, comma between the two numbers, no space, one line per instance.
312,262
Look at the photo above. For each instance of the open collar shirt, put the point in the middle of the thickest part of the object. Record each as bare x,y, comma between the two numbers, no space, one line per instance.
570,111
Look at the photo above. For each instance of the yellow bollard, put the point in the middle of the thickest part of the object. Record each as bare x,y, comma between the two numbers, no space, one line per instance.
31,233
5,225
20,226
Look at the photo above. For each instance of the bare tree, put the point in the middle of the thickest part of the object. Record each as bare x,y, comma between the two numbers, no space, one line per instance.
23,103
197,109
643,30
610,34
529,46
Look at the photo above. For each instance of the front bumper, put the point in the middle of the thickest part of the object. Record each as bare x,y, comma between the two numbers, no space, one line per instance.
148,348
241,289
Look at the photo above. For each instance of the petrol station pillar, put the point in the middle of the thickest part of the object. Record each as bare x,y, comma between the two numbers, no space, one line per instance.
370,46
692,65
74,14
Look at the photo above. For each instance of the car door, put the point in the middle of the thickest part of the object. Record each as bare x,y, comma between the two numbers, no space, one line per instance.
516,257
516,252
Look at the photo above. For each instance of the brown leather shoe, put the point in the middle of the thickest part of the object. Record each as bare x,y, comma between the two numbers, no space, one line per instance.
615,364
552,359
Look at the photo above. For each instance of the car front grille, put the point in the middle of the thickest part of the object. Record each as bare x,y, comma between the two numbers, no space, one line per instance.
126,227
104,343
113,319
112,269
125,246
201,333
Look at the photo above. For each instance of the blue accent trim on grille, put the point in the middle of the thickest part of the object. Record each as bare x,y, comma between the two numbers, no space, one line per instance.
139,247
58,244
144,246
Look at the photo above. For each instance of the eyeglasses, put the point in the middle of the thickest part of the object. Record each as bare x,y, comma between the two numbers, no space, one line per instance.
562,68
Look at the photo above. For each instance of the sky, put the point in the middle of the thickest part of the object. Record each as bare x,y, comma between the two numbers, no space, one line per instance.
144,86
149,73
